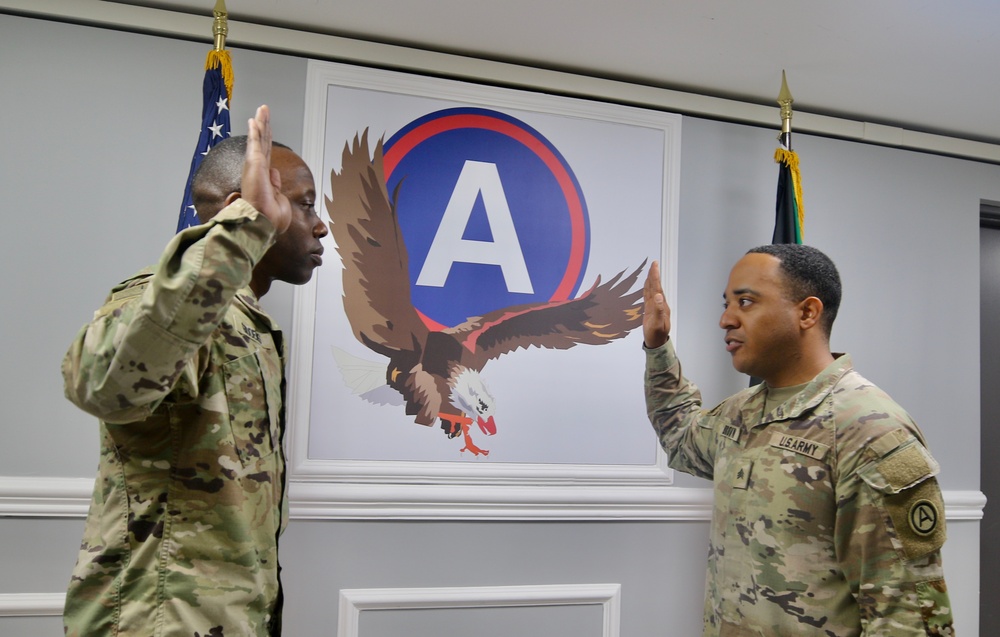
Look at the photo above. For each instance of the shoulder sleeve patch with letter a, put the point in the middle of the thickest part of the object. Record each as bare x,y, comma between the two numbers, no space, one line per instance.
904,476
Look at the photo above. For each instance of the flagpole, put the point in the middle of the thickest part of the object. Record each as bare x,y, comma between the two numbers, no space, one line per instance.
789,216
785,102
220,26
219,56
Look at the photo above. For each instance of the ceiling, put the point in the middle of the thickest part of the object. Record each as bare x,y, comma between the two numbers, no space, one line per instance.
923,65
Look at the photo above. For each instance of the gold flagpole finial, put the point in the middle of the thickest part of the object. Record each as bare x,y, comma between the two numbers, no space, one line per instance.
220,27
785,101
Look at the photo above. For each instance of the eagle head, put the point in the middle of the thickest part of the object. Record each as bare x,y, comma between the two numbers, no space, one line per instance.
470,396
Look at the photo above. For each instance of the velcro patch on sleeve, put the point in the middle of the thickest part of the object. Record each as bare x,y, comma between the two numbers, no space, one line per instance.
907,466
889,441
904,476
918,517
128,292
904,466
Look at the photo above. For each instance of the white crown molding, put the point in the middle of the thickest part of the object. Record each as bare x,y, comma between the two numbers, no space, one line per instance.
52,497
327,47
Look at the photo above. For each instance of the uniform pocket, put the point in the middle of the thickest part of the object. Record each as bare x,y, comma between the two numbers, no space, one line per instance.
249,417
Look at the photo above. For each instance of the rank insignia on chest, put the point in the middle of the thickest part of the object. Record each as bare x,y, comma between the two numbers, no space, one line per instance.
741,475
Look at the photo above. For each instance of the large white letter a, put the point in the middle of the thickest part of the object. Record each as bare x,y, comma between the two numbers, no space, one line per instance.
449,247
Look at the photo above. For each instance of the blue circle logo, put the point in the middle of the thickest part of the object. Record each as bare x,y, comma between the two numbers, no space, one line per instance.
491,213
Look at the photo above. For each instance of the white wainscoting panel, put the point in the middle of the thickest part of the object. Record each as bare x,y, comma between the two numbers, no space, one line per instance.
354,601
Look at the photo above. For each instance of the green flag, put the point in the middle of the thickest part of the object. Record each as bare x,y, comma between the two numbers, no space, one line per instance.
788,213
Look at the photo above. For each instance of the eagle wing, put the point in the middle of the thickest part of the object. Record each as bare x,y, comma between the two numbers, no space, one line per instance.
365,378
604,313
376,274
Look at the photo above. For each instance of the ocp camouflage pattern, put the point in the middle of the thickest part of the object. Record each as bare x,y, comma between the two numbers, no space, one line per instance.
827,517
185,372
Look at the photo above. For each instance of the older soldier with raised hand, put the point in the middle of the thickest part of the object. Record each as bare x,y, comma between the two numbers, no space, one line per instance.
186,373
828,519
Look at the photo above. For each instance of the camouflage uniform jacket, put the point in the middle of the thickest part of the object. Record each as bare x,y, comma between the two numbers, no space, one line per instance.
827,517
185,372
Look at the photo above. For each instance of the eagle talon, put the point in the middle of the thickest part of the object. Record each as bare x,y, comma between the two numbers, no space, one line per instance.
474,449
454,424
469,445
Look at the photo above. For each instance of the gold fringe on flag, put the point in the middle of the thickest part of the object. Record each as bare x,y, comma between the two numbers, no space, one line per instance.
222,59
791,159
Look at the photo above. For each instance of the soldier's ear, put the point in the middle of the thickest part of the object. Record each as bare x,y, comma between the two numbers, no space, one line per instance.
231,197
810,309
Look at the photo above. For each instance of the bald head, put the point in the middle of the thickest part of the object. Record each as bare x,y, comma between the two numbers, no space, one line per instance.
219,175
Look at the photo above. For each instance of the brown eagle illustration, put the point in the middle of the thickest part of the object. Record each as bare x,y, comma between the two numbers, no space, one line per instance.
436,373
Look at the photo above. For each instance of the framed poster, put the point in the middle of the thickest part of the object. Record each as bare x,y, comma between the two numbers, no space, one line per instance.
477,322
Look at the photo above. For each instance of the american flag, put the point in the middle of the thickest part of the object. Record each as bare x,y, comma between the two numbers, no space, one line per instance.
216,91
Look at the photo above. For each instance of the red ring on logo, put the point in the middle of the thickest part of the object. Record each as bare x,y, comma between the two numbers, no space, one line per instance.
425,131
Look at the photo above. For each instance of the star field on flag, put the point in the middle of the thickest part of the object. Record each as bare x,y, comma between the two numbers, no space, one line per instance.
214,128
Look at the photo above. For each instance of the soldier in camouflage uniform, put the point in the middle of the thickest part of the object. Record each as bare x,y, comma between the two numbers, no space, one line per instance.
827,517
186,373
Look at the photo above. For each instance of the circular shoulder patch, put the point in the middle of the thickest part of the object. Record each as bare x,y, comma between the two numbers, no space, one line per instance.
923,517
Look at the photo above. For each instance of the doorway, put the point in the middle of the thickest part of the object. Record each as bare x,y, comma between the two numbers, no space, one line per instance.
989,380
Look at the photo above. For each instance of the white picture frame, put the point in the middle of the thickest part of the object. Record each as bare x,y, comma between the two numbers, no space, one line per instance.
623,476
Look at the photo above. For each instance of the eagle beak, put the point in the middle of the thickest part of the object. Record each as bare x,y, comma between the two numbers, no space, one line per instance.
488,426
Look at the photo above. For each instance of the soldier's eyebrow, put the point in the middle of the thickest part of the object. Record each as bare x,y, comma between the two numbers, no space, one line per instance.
741,291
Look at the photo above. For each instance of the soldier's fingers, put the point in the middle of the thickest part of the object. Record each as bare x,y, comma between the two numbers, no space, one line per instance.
652,283
263,120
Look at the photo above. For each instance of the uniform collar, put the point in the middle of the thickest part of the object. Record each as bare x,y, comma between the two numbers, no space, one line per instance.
248,300
814,393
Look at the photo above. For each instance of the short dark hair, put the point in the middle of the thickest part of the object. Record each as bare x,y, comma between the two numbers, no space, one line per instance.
219,174
808,272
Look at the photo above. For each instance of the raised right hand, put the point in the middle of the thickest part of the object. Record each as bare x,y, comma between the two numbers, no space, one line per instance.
261,184
656,312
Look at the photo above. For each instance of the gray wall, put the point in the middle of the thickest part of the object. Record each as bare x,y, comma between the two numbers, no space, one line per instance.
100,126
903,228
